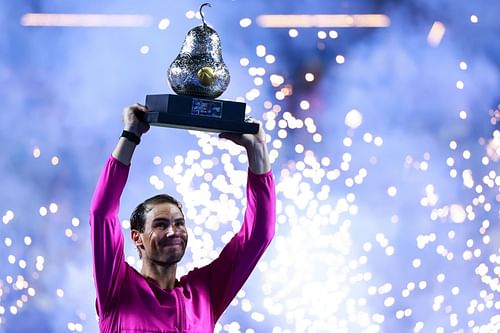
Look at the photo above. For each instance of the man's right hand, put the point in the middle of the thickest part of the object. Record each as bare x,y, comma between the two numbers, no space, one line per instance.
134,119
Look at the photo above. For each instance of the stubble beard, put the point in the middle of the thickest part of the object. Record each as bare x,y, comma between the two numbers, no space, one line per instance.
168,260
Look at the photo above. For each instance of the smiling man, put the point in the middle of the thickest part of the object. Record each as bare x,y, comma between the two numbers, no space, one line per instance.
153,300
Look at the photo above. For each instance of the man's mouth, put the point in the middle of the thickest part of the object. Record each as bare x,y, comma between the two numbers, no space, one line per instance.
172,242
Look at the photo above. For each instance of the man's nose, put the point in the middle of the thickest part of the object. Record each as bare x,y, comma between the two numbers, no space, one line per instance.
170,230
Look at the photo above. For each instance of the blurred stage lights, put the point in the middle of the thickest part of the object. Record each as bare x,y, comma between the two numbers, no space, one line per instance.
245,22
164,24
296,184
86,20
353,119
436,34
309,77
323,21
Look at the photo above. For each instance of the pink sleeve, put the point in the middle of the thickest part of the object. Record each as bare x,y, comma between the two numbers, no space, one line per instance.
106,235
228,273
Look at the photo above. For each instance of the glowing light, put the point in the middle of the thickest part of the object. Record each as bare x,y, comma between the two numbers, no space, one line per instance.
323,21
261,71
309,77
322,34
43,211
252,94
304,105
460,84
293,33
164,24
8,217
474,19
258,81
60,293
468,181
333,34
416,263
463,65
245,22
75,222
53,208
457,213
340,59
392,191
260,50
353,119
347,142
493,147
54,160
36,152
144,49
436,34
86,20
270,59
244,62
276,80
22,264
258,317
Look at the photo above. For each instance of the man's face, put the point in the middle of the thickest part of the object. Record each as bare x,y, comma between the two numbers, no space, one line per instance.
165,235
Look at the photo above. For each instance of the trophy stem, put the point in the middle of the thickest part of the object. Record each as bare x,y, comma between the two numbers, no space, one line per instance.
201,13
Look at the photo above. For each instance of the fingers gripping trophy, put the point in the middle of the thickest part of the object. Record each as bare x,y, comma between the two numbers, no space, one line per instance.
198,76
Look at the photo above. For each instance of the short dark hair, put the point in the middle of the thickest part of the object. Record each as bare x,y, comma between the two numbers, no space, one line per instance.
138,217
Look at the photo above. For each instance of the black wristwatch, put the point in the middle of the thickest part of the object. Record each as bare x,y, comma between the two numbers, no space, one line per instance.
131,136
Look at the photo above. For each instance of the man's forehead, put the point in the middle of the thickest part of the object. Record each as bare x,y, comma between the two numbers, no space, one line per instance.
164,209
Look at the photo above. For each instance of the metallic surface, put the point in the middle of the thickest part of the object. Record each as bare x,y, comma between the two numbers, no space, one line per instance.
201,48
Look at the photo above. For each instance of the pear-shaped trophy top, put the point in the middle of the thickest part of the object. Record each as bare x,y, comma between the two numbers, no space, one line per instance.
199,69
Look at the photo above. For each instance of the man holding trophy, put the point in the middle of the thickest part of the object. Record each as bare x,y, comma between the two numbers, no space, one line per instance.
153,300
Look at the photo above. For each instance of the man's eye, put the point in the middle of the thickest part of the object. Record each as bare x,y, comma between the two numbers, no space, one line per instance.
179,223
161,225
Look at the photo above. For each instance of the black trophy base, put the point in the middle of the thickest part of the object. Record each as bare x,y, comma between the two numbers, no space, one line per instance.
210,115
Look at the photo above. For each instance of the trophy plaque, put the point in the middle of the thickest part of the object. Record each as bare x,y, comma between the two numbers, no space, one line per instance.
198,75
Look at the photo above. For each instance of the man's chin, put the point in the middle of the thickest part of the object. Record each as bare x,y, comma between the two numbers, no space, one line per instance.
164,261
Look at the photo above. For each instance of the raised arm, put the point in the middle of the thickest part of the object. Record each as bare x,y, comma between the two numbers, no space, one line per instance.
106,235
226,275
132,126
255,145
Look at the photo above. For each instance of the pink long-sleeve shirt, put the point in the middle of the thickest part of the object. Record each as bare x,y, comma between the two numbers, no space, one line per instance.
128,302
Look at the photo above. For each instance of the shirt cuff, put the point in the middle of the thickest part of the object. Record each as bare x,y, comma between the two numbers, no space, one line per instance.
113,160
263,175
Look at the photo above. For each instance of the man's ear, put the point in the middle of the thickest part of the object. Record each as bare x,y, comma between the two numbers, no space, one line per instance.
136,238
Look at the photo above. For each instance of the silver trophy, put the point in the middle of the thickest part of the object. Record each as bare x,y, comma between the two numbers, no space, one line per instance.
198,75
